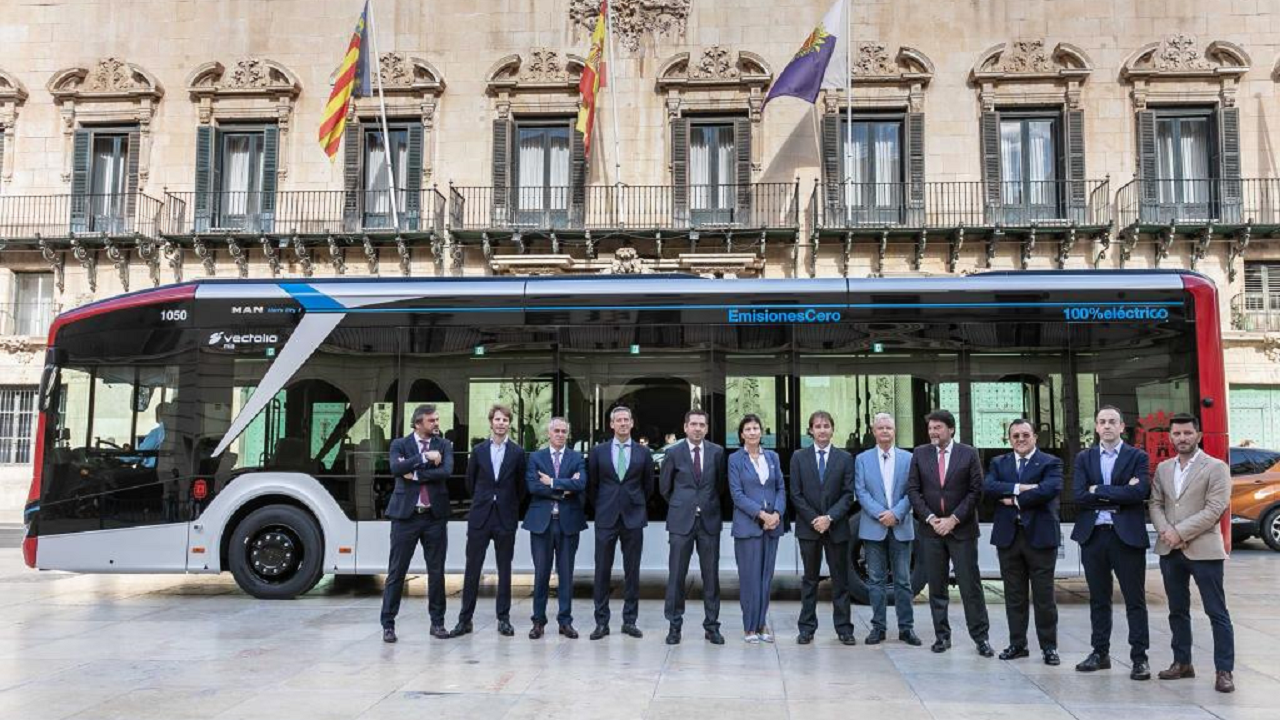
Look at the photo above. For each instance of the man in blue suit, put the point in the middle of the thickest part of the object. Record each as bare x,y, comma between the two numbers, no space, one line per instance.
556,479
419,513
496,482
886,528
1112,481
1026,484
619,485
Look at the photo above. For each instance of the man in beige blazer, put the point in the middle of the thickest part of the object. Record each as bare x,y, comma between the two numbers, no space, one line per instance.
1188,497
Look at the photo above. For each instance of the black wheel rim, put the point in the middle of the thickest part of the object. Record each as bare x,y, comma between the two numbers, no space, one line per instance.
274,553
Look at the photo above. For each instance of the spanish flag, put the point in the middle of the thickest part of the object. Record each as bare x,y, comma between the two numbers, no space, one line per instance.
592,79
353,81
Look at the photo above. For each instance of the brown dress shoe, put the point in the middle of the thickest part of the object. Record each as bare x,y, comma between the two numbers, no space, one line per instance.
1177,671
1224,683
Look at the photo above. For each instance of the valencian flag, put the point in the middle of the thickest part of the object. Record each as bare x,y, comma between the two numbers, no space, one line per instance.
592,79
352,81
812,68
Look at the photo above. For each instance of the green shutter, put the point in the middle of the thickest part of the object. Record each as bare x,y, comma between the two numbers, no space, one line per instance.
132,163
742,162
204,186
352,180
577,177
915,169
502,132
1229,164
990,129
1077,193
413,179
1146,152
680,171
831,168
270,168
80,181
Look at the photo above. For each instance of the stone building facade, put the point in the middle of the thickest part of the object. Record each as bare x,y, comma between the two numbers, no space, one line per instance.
151,142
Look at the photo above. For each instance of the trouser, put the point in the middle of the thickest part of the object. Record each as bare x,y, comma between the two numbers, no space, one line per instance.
882,555
560,548
682,546
944,552
432,533
607,540
837,553
1178,571
1023,566
756,558
504,549
1105,553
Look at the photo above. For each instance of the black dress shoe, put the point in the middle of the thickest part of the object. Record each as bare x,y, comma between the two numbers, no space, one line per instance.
847,639
505,629
804,638
673,635
1141,671
1093,663
438,632
714,637
985,650
1013,652
388,635
569,632
940,645
632,630
1051,657
1223,682
462,628
599,632
875,637
537,631
909,637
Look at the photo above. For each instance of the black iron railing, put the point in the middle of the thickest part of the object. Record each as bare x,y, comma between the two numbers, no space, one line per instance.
53,216
625,207
1254,201
306,212
1256,312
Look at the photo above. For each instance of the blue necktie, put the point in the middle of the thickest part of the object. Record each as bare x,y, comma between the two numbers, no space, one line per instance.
1022,465
822,465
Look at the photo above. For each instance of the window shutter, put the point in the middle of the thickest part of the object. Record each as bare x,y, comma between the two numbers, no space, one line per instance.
130,220
1147,167
577,177
204,177
80,181
915,169
502,132
680,171
742,149
990,128
413,179
352,175
1077,193
1,146
831,166
1229,163
270,169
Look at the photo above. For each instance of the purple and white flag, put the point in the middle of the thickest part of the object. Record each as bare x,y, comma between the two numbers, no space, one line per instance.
812,68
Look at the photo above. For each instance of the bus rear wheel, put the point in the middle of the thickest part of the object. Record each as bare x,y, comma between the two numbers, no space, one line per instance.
276,553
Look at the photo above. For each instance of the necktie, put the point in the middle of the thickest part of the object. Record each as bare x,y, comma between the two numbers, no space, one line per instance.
555,463
697,464
822,465
620,464
942,476
423,496
1022,465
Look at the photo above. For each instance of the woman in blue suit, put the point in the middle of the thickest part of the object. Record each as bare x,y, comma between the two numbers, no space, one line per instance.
759,502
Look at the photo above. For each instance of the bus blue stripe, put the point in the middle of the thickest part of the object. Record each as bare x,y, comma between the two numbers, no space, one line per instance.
849,306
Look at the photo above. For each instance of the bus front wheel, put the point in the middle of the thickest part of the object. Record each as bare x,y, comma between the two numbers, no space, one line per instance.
276,553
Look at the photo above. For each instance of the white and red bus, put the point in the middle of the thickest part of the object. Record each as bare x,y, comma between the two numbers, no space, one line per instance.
244,425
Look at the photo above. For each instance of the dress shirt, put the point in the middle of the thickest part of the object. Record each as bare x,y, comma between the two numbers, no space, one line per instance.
888,461
1180,474
1109,457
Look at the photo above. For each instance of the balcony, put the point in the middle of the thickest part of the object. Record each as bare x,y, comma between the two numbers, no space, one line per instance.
718,215
1150,204
55,219
1256,312
303,213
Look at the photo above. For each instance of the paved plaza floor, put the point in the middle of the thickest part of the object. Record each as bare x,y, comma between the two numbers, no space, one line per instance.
175,647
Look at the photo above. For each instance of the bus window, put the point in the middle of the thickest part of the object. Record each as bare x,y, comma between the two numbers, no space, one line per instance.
530,403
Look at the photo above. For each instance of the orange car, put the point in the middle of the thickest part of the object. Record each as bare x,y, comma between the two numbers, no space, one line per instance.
1255,495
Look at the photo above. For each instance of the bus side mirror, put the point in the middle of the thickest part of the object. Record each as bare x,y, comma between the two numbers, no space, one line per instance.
1207,402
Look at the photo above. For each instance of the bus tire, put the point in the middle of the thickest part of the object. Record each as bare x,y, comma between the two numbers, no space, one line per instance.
858,589
276,553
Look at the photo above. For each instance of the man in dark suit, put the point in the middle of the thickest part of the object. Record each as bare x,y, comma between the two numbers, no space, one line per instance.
419,513
619,485
1111,482
945,485
556,480
496,482
1026,483
693,474
822,496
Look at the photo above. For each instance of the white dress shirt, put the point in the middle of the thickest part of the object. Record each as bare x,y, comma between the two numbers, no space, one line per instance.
1180,473
888,462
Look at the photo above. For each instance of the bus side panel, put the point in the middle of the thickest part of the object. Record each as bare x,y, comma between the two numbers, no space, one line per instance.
147,549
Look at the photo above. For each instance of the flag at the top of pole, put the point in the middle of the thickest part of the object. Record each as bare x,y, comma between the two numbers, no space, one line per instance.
593,72
812,68
353,81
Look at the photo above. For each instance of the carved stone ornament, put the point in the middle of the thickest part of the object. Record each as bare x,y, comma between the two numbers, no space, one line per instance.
542,69
12,94
1031,59
626,261
873,59
20,348
246,76
402,71
636,20
110,91
108,78
714,66
11,89
1179,56
715,62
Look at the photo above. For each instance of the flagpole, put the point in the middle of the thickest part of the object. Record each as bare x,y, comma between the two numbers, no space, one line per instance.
613,95
386,134
848,94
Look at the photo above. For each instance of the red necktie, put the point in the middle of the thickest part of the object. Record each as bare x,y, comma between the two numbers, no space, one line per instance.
942,474
423,495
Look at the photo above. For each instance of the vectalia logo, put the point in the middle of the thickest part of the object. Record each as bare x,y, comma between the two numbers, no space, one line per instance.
225,338
797,316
